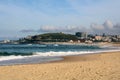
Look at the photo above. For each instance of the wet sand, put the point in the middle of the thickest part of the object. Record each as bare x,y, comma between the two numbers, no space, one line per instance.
104,66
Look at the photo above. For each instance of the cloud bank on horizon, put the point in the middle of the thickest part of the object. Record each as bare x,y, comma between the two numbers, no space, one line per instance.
38,16
107,27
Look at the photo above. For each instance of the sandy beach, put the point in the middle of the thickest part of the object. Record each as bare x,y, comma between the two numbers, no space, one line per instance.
104,66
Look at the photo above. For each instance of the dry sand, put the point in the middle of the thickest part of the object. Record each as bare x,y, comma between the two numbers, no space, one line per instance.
105,66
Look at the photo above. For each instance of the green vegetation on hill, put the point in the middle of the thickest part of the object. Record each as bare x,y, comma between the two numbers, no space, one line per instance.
49,37
58,36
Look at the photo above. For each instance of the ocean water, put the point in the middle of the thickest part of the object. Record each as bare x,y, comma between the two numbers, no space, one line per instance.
11,54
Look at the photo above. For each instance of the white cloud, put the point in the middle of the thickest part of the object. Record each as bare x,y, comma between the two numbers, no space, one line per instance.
108,24
49,28
107,27
68,29
28,30
97,27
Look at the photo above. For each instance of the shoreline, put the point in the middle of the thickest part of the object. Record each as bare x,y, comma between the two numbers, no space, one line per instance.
103,66
66,58
78,43
47,59
83,56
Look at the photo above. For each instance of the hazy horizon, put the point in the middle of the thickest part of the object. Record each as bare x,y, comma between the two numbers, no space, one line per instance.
19,18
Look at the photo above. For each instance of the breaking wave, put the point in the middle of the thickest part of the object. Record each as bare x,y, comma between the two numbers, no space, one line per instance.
35,53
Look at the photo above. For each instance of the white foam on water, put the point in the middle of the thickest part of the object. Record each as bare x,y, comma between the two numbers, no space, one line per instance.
51,53
3,58
54,54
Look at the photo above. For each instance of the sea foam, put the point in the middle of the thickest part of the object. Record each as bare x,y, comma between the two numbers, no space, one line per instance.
54,54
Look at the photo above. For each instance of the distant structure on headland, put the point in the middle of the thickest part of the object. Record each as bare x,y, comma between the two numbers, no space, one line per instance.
81,35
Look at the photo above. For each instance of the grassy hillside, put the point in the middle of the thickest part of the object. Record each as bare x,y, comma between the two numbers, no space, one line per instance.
50,37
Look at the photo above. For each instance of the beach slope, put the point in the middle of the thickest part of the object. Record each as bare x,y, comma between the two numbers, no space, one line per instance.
104,66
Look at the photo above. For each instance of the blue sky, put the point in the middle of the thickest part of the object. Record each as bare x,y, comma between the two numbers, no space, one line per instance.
19,18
